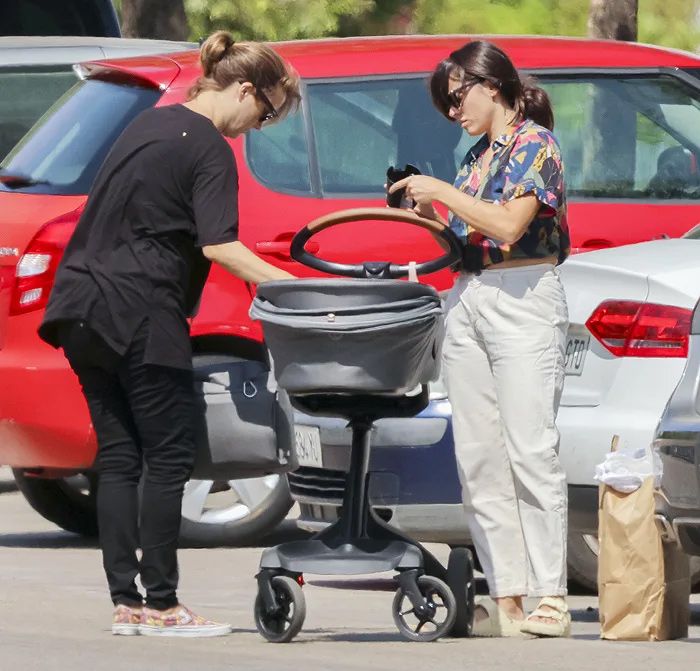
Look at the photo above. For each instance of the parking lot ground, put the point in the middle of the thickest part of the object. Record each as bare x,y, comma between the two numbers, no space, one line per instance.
56,615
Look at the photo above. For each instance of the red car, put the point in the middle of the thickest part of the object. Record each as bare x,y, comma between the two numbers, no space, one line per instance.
628,119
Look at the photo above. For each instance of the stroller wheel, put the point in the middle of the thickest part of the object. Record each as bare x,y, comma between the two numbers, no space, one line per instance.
460,578
283,625
440,615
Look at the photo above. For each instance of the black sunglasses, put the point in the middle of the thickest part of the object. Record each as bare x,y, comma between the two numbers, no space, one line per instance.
456,96
272,113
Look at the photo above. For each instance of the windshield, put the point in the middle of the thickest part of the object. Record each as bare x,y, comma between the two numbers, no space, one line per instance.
622,137
64,150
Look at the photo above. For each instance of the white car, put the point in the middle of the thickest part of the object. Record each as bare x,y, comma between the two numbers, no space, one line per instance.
630,310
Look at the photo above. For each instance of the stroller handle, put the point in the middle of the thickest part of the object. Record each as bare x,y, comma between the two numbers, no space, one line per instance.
374,213
378,269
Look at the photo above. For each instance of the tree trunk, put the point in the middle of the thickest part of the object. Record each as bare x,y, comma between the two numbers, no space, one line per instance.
609,152
613,19
160,19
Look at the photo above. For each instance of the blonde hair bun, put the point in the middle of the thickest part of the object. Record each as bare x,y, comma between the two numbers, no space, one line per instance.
225,62
216,47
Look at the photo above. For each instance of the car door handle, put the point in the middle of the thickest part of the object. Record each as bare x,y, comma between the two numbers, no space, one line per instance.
282,247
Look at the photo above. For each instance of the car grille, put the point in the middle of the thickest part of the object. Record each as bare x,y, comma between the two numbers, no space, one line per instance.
317,484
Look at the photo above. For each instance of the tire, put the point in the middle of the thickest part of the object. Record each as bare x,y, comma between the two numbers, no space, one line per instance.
460,579
429,587
67,502
583,562
70,504
290,594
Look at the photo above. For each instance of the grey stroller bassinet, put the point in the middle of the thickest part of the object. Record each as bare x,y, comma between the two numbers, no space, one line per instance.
353,335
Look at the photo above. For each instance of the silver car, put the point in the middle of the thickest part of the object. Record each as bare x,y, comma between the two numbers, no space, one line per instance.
678,442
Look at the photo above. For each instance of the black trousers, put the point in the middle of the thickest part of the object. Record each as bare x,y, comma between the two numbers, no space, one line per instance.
141,413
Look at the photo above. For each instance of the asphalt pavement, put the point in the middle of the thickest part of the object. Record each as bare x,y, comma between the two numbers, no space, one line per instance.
56,616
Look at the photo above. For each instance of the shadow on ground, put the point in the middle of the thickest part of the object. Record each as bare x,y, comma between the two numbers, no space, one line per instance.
56,540
51,540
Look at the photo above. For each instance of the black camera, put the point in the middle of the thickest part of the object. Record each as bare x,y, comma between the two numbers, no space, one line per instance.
398,198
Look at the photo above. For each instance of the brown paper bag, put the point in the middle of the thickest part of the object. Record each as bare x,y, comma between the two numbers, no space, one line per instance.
643,586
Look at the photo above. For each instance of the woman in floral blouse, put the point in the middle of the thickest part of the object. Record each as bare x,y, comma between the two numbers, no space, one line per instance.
506,324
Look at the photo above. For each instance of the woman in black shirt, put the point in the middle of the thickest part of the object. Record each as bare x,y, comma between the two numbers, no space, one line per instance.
164,205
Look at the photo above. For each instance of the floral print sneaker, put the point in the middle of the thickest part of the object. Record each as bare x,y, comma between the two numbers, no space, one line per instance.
126,620
179,622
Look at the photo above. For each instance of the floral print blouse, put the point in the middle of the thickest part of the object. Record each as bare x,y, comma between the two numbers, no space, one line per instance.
527,160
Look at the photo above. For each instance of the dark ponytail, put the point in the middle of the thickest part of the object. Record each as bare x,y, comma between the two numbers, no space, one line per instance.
484,61
533,103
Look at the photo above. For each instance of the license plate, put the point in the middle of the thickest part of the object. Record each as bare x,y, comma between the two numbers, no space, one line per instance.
575,353
308,444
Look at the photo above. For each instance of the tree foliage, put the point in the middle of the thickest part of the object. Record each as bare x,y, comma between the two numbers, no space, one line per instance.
272,19
674,23
517,17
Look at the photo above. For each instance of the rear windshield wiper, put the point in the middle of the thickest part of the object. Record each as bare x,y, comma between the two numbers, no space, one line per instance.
17,181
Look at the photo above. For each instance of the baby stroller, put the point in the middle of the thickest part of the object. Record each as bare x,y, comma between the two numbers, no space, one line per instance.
361,349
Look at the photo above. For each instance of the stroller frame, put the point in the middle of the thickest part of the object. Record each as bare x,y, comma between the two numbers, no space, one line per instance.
359,542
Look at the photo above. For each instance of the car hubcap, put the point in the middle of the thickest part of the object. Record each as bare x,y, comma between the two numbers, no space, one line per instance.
592,543
219,502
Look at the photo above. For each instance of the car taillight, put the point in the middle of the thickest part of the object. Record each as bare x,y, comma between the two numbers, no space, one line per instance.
37,267
631,328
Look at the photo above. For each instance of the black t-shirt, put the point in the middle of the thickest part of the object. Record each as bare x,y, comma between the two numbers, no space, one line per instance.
168,187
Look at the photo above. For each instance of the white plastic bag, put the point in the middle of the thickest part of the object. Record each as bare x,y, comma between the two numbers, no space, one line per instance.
626,468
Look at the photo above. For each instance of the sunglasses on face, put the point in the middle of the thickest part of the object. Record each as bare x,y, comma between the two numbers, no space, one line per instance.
456,96
272,112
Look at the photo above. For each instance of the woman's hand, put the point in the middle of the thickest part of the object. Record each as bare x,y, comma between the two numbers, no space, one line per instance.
421,188
427,211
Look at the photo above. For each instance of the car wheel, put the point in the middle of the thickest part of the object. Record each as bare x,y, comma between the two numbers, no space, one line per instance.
583,562
67,502
214,513
233,512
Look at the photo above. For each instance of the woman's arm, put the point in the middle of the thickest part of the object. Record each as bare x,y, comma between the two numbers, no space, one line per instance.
241,262
507,222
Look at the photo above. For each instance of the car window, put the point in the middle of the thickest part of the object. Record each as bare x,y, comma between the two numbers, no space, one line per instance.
635,137
359,129
64,150
67,17
27,94
279,155
622,137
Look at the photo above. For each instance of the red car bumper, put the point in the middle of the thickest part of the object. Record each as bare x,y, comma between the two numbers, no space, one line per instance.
44,420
